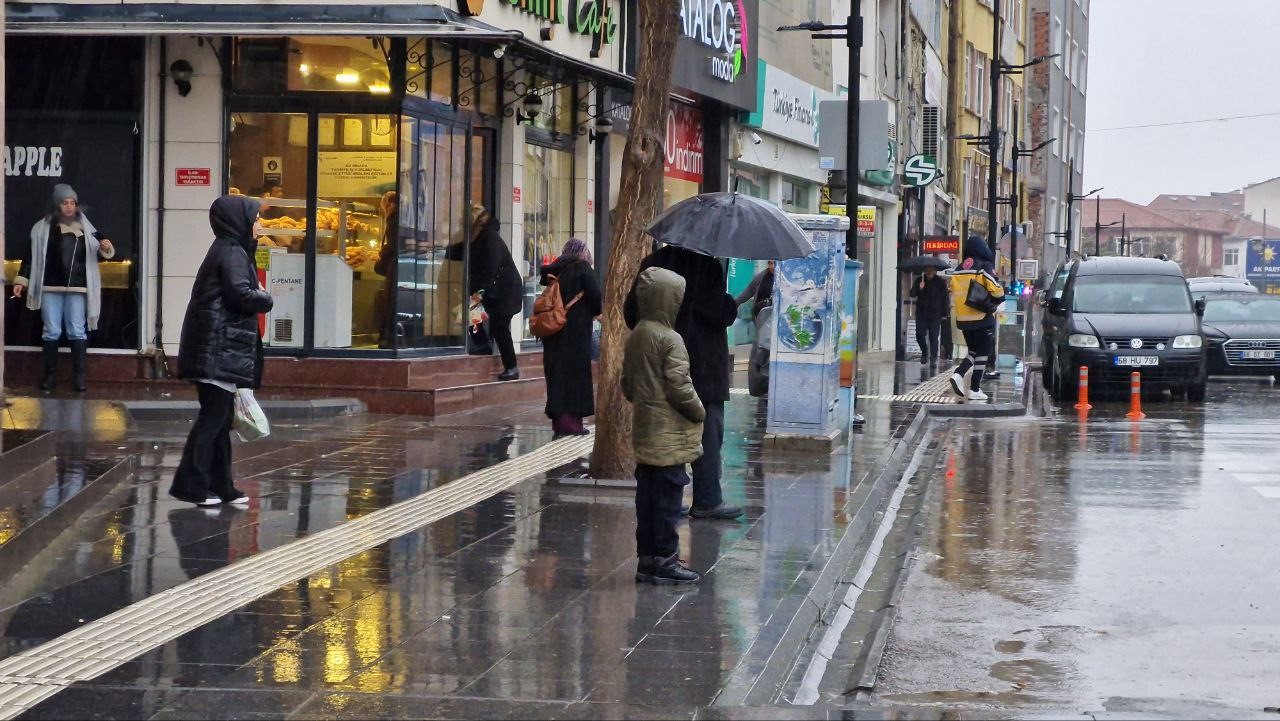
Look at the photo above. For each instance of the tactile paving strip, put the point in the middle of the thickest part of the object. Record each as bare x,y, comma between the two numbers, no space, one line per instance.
30,677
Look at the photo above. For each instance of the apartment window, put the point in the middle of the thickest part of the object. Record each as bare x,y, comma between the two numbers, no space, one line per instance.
1051,220
1231,256
1058,140
1056,39
1084,7
1082,79
979,74
968,74
968,181
1075,60
1069,67
1079,142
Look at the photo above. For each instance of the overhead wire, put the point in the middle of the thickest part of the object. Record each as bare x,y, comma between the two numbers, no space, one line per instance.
1223,119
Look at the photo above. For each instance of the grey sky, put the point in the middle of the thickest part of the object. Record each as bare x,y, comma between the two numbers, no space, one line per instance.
1160,61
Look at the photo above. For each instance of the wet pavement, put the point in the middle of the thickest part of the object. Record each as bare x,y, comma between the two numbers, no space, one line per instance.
523,605
1100,567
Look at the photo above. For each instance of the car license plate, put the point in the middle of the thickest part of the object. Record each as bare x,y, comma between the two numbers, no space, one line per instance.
1137,360
1259,355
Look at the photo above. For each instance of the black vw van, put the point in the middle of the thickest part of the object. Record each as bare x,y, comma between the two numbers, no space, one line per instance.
1119,315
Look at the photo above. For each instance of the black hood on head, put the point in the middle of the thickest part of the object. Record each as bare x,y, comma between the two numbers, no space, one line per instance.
976,247
232,217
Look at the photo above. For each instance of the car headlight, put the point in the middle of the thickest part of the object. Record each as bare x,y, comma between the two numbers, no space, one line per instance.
1188,341
1083,340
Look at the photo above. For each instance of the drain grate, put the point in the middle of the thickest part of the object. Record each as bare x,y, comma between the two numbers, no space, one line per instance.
97,647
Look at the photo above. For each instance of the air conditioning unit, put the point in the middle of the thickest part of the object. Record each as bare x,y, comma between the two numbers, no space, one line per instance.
931,131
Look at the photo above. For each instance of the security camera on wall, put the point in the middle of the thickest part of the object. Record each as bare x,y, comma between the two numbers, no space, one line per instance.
756,139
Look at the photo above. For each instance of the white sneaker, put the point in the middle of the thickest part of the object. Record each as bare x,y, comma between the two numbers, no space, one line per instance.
239,501
977,396
210,501
957,385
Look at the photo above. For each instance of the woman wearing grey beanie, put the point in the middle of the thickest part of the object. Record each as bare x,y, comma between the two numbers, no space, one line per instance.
61,280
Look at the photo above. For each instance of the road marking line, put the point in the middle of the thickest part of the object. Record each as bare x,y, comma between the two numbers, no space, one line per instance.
30,677
1267,491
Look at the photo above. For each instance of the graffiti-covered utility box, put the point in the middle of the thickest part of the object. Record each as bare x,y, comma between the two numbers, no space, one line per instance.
804,373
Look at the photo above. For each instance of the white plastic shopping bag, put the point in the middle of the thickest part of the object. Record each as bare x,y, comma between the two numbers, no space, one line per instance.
251,423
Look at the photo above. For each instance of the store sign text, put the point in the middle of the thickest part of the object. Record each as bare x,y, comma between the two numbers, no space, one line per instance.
718,25
684,144
45,162
595,18
193,176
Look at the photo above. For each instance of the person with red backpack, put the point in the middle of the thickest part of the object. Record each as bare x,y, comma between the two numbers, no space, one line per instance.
566,351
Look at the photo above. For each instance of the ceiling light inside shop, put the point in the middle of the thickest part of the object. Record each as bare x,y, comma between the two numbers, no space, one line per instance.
304,69
379,88
347,77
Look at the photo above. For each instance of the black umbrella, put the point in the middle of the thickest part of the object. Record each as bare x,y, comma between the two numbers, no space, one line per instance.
921,263
731,225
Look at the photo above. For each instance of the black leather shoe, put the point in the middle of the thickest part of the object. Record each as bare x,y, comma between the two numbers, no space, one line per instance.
722,512
644,569
669,570
509,374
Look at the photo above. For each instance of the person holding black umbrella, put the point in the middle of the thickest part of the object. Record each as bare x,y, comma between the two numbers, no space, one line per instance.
933,296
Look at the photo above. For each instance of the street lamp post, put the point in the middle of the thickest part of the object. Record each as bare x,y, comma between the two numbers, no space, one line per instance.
851,33
993,140
1071,200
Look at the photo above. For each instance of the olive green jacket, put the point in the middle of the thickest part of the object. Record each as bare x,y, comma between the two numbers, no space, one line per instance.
667,428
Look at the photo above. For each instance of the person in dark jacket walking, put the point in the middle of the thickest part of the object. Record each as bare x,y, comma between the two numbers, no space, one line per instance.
759,291
566,356
703,321
978,325
494,282
933,297
220,350
59,274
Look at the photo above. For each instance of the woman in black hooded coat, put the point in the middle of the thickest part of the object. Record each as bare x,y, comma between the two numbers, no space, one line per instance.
495,282
566,356
220,350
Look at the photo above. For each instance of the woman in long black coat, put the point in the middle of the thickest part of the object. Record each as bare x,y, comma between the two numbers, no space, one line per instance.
494,282
220,350
566,356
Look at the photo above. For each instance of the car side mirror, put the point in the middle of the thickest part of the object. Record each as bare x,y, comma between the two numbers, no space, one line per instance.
1056,307
1200,306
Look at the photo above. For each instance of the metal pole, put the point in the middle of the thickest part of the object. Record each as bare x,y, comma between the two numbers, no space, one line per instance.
852,119
1097,226
1071,200
993,163
1264,251
1015,200
1124,237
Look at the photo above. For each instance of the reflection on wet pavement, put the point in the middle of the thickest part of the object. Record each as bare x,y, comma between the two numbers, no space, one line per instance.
527,598
1099,566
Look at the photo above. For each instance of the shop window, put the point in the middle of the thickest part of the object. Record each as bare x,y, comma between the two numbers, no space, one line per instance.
334,64
556,116
478,83
796,196
430,69
547,204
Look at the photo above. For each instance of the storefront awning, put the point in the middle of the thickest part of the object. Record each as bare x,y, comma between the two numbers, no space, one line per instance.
245,19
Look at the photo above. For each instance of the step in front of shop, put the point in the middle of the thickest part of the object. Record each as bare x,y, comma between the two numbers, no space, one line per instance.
407,386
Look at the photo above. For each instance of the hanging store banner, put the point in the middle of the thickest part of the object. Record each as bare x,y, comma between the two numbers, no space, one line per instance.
684,144
866,221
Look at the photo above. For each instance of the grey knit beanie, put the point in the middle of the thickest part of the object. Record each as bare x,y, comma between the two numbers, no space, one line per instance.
61,192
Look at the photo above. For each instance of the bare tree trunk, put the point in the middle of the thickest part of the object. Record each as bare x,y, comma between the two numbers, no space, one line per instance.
638,198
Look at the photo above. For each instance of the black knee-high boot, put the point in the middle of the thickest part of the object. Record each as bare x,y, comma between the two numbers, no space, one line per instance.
50,379
79,353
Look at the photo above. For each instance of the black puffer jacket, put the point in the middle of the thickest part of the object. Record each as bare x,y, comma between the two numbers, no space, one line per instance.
220,331
704,318
492,270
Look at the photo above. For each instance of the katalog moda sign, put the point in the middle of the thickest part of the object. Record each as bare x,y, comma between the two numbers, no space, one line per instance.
716,52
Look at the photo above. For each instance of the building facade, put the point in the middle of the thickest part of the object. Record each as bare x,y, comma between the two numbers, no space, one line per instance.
328,114
1056,94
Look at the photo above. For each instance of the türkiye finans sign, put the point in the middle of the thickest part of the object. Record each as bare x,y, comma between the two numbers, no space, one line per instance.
595,18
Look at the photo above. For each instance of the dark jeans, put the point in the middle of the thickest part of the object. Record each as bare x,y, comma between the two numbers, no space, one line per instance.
947,345
706,470
500,331
982,345
205,468
658,493
928,334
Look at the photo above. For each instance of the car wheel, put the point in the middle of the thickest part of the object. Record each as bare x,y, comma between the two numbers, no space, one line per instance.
1196,392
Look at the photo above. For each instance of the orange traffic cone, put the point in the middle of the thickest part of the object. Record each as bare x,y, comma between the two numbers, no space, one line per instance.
1083,403
1135,397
